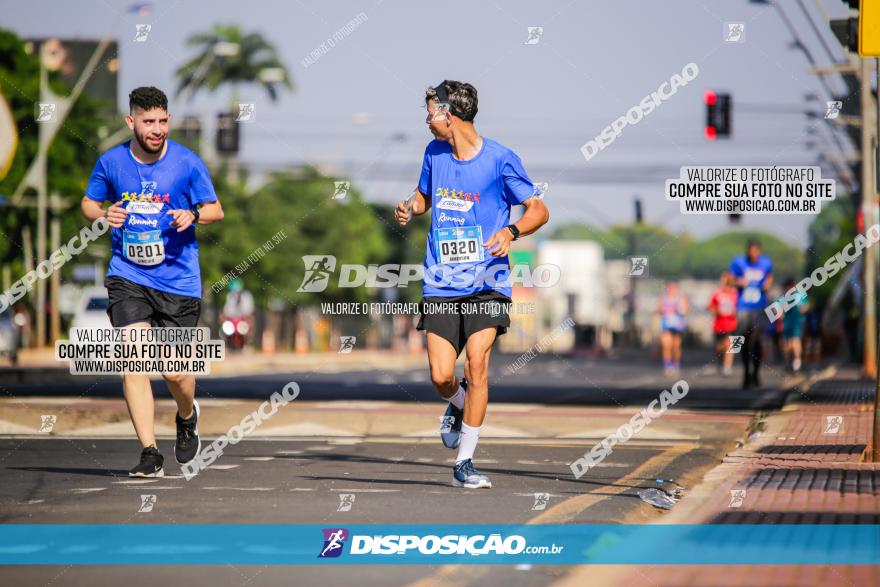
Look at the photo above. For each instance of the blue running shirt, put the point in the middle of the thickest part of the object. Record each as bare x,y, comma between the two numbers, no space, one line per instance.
470,201
752,296
147,249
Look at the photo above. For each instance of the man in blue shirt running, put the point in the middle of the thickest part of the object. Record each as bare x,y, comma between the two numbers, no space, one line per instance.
470,183
158,191
753,273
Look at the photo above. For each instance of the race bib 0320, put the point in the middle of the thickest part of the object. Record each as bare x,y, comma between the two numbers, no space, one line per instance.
459,245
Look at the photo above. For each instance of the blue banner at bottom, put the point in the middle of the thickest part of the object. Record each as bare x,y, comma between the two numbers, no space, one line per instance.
268,544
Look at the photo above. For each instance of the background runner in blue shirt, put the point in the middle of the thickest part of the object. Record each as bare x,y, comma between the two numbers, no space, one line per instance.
753,273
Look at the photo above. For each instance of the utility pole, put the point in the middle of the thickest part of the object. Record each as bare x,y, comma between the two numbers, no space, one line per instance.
875,164
55,280
861,34
36,175
868,212
631,306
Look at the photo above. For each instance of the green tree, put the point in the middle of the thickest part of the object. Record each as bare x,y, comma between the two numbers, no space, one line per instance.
253,62
71,156
299,204
406,244
709,257
829,232
681,255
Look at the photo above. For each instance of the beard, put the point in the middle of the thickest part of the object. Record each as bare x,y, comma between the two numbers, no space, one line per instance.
141,139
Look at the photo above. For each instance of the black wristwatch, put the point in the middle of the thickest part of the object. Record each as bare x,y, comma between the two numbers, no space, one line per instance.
514,230
195,212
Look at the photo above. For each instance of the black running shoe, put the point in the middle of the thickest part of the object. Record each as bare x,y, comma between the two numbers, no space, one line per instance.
188,442
150,465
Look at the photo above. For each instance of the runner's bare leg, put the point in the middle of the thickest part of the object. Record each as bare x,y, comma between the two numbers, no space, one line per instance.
139,399
183,390
441,358
479,346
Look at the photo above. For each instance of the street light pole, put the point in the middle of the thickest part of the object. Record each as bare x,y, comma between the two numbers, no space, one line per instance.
868,209
875,439
42,205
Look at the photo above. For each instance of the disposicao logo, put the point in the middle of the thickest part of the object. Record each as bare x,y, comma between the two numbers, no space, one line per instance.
334,541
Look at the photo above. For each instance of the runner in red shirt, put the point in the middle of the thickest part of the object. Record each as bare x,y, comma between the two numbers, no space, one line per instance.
723,307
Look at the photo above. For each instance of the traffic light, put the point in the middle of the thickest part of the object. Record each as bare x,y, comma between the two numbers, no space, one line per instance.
227,134
189,133
717,115
860,33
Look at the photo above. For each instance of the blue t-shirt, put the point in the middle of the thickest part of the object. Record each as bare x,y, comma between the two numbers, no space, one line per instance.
470,201
752,296
147,249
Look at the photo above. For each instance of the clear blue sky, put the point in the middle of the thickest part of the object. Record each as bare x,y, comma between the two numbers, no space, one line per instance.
594,61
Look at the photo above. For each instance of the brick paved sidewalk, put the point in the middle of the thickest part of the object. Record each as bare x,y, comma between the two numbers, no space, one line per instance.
811,471
805,467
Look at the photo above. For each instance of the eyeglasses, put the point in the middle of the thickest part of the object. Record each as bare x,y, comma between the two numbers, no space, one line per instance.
439,113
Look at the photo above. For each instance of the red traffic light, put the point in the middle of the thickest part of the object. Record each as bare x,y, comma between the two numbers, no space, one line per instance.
718,106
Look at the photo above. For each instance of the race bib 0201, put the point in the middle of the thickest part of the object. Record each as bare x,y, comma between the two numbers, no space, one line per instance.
143,248
459,245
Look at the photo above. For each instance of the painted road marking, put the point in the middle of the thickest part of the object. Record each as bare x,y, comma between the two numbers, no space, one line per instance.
239,488
561,513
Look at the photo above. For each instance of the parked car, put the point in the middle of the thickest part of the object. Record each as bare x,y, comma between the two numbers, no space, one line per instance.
92,311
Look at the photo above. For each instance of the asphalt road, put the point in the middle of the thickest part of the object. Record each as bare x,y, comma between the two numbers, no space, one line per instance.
623,380
280,480
286,481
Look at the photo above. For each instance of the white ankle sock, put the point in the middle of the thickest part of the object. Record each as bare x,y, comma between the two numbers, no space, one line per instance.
457,399
470,435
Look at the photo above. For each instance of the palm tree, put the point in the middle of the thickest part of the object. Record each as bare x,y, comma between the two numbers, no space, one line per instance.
226,56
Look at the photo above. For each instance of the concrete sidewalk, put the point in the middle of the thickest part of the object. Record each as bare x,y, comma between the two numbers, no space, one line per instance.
805,466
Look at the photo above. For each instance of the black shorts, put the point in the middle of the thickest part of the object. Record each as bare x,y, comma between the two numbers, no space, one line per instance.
723,336
131,302
749,320
456,318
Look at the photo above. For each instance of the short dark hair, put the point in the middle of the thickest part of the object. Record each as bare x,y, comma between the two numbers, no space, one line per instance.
753,242
462,99
147,98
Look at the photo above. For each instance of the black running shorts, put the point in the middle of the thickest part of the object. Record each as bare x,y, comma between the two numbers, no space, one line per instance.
131,302
457,318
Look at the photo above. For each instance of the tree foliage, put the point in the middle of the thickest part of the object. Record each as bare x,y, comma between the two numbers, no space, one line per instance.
301,205
71,156
255,55
680,255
